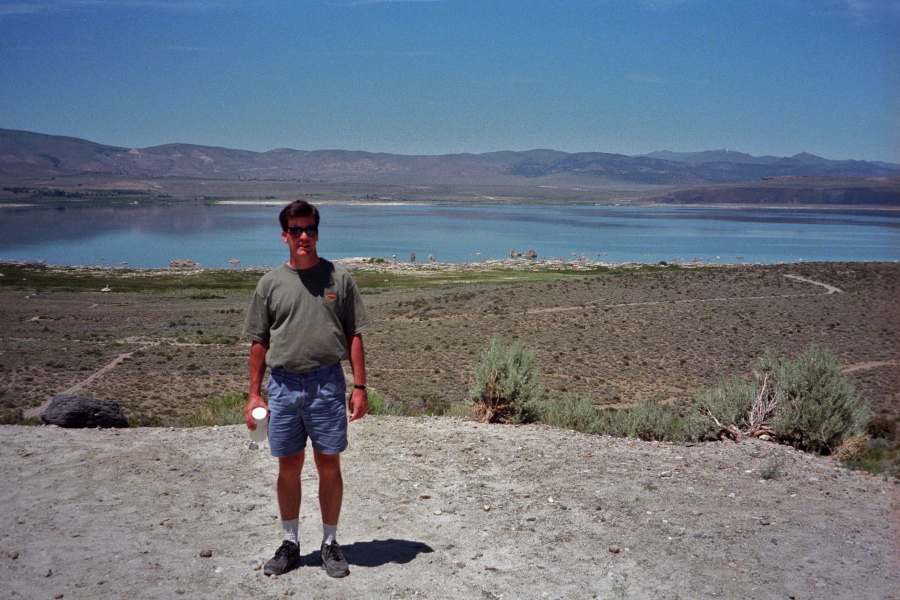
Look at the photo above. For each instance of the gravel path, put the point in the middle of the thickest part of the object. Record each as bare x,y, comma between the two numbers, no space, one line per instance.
441,508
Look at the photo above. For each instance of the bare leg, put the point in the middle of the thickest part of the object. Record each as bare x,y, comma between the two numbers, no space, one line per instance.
331,486
288,487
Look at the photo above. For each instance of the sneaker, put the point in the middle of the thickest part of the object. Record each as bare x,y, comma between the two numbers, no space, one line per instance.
333,560
285,558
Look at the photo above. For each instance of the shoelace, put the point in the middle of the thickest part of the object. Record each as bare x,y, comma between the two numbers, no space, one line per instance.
333,551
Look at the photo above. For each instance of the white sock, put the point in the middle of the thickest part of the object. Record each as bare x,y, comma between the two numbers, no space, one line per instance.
290,530
329,533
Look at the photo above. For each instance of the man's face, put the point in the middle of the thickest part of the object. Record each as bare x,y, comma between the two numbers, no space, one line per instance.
303,246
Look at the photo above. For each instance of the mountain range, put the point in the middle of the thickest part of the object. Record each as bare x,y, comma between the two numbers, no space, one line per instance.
28,156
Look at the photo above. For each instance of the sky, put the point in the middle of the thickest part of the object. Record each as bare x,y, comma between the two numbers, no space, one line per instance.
765,77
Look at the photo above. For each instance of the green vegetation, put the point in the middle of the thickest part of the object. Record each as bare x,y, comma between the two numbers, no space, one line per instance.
818,408
211,283
507,388
772,470
30,277
625,351
425,277
877,455
219,410
379,405
808,402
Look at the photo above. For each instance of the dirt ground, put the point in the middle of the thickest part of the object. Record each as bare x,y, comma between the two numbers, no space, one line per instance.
619,338
441,508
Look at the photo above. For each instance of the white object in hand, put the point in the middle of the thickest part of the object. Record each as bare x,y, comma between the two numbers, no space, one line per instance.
261,416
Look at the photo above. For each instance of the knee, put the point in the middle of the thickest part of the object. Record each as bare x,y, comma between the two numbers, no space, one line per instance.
290,465
328,464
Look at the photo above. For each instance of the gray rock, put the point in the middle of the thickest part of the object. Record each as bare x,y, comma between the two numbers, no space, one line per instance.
71,411
183,263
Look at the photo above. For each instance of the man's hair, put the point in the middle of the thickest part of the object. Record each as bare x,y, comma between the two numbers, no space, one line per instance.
297,208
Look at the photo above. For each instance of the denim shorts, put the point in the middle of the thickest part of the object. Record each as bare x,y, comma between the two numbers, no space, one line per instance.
310,404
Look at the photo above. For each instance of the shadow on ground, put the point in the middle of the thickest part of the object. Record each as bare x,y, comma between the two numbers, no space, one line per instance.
374,554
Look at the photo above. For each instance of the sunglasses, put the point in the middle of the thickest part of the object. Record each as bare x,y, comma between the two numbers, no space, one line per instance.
311,231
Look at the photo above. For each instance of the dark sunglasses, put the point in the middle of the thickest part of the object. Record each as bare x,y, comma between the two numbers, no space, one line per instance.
311,231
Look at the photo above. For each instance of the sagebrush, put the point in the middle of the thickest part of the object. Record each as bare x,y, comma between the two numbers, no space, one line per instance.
507,388
807,402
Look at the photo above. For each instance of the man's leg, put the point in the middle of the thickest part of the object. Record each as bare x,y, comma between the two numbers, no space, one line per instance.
331,486
331,496
289,493
288,486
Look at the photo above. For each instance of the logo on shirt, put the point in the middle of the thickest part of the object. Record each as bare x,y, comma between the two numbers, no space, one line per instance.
330,296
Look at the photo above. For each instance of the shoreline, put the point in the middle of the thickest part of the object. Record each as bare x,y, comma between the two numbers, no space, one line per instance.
358,263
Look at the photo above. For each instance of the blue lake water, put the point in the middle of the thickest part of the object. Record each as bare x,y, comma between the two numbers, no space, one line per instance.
212,235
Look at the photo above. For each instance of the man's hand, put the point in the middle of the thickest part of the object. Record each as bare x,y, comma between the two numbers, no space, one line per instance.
254,401
359,404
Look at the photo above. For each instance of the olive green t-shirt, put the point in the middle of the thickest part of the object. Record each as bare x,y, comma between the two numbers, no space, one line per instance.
305,316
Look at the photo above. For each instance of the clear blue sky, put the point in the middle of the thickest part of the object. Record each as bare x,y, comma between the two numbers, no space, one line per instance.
441,76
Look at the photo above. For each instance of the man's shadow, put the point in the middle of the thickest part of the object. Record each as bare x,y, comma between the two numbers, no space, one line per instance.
375,553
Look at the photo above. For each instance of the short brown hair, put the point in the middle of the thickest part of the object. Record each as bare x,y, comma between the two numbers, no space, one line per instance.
297,208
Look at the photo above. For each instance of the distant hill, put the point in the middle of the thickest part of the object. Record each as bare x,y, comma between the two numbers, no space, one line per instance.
792,191
26,156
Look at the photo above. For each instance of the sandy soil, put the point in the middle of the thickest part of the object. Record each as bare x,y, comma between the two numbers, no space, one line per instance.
441,508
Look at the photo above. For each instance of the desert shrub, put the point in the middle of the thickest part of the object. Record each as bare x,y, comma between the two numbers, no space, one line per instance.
806,402
578,414
220,410
379,405
882,426
656,421
16,416
877,456
772,469
507,388
647,421
730,402
818,407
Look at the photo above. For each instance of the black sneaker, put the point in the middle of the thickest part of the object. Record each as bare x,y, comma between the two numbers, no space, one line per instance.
333,560
285,558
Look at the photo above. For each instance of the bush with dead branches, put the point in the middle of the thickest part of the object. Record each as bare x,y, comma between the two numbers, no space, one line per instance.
807,402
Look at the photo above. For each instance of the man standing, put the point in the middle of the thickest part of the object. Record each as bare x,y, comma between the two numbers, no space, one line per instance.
304,319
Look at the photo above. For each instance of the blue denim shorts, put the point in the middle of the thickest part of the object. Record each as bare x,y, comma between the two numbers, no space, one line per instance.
311,404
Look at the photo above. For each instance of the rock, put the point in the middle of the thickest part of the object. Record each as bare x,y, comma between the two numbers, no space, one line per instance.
71,411
530,254
514,254
614,549
183,263
206,553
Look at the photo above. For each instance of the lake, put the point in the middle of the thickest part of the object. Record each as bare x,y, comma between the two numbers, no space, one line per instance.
151,236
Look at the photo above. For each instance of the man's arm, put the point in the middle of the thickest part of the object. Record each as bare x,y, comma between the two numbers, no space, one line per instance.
258,352
359,399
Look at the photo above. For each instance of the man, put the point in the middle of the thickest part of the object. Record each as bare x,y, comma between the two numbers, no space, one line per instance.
304,319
